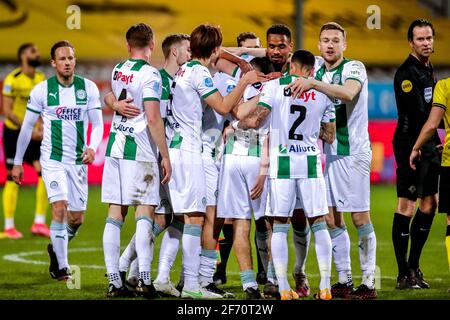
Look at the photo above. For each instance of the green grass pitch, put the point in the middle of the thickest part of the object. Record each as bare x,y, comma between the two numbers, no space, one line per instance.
24,263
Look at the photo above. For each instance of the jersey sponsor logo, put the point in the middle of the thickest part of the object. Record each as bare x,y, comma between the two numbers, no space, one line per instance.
123,128
208,82
287,92
308,95
428,94
65,113
257,85
173,125
81,94
406,86
119,76
300,149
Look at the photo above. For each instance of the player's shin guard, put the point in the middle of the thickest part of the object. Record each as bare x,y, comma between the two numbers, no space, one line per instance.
10,193
191,256
301,243
208,260
280,254
144,235
41,202
367,253
323,252
58,236
340,243
111,250
169,248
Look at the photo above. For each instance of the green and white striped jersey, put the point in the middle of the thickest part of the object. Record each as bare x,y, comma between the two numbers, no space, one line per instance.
166,80
352,135
294,129
192,84
64,111
130,138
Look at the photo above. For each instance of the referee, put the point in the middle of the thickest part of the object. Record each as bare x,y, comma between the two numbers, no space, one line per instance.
413,85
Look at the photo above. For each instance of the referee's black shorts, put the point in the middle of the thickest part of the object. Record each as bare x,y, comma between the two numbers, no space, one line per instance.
10,137
444,190
419,183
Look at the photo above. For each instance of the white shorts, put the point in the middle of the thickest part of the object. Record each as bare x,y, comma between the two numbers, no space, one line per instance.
212,180
187,186
130,182
348,182
237,179
68,182
309,191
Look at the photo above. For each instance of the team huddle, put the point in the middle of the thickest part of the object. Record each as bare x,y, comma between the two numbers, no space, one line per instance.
214,138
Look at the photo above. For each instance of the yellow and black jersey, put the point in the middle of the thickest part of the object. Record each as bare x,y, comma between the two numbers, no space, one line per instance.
18,85
441,99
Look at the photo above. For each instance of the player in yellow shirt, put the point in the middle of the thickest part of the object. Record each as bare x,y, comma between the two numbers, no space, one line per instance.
440,109
16,89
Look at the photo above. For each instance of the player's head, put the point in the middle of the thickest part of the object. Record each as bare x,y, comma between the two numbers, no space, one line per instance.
28,54
206,41
248,40
262,64
279,44
332,42
177,46
63,58
302,63
140,37
421,38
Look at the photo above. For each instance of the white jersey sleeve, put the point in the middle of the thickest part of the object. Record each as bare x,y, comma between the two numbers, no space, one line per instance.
93,95
329,114
202,81
354,70
151,85
36,100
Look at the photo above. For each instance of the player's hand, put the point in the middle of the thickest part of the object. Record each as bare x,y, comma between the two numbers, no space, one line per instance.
300,85
126,108
254,76
415,155
257,190
274,75
227,132
244,66
166,170
17,174
88,156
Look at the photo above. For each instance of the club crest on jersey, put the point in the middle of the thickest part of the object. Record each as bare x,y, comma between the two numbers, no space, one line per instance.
119,76
208,82
81,94
65,113
428,94
282,148
336,78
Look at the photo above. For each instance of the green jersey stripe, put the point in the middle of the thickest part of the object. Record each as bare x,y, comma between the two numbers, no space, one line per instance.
57,147
130,148
138,64
120,65
176,141
52,92
234,72
342,136
230,144
265,105
32,110
150,99
284,167
254,150
111,139
80,141
193,63
312,166
206,95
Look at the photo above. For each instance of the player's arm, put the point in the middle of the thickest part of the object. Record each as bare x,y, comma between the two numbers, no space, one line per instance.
228,61
346,92
263,169
327,131
239,51
240,111
224,105
427,132
123,107
156,127
254,119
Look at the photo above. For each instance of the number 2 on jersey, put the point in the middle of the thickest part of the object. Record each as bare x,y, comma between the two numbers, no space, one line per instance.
297,108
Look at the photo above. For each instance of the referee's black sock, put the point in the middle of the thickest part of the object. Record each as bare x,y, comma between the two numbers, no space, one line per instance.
225,245
400,239
420,229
